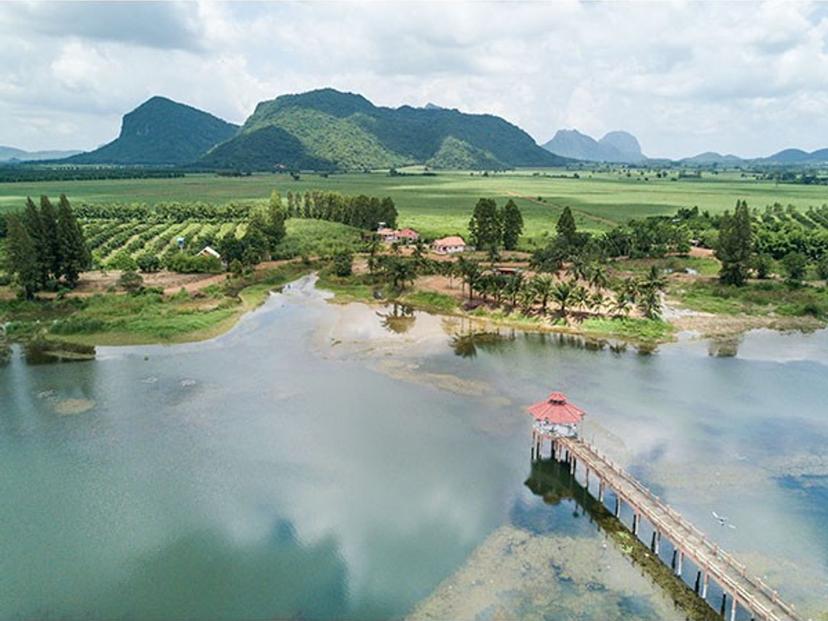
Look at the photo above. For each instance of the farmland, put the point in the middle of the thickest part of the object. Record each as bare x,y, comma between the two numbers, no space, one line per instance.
441,204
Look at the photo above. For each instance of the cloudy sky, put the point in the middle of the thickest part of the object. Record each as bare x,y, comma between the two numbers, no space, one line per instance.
741,77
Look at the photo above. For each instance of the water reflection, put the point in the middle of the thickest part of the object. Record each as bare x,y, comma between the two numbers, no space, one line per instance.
399,318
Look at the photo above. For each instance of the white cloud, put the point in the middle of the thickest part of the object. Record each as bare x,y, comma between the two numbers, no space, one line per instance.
749,78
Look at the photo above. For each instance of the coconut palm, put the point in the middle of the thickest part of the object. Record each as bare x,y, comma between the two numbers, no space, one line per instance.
649,303
597,301
580,296
470,271
598,277
526,298
621,306
544,287
514,284
579,269
562,294
654,280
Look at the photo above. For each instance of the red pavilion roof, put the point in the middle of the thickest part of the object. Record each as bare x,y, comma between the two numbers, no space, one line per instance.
556,409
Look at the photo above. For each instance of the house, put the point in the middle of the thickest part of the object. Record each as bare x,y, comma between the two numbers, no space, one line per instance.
408,235
449,245
389,236
209,251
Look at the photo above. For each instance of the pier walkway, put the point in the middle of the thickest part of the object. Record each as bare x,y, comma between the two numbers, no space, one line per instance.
749,593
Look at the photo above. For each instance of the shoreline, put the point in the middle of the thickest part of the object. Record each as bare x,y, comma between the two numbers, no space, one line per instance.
681,322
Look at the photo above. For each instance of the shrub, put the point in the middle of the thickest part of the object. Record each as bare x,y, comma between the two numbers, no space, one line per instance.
194,264
122,261
795,265
762,266
131,281
148,263
343,263
822,268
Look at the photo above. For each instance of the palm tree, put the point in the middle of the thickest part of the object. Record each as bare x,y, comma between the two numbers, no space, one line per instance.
654,280
598,277
580,270
650,303
470,271
629,289
526,297
543,286
513,287
562,294
621,306
580,296
398,271
597,301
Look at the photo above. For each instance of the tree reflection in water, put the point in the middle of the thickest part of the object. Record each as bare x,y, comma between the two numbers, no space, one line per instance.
398,319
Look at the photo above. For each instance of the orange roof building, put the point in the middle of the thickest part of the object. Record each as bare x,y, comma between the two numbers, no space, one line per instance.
556,416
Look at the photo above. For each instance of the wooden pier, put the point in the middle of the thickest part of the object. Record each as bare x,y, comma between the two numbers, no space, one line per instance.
740,591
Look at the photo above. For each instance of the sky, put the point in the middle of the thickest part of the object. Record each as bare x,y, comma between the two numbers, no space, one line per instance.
748,78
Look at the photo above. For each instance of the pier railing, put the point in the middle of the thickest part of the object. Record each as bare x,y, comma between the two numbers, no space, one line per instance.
751,590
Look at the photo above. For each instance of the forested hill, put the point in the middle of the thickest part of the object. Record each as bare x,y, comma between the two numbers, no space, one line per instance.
334,130
160,132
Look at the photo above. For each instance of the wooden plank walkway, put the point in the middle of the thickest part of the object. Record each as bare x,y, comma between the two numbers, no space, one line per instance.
748,592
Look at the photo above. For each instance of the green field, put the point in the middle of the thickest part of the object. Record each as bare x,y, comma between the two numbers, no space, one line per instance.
442,204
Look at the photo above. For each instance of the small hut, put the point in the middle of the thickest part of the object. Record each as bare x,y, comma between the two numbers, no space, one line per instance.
555,416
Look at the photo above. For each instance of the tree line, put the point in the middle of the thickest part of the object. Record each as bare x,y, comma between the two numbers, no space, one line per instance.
45,246
361,211
492,228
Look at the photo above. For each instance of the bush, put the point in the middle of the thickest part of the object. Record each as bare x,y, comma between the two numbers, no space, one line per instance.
148,263
762,266
122,261
795,265
131,281
343,263
822,268
194,264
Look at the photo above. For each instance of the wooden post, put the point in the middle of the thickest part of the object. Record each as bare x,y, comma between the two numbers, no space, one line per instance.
680,560
705,582
587,478
654,542
733,606
636,522
617,505
673,562
724,604
657,542
698,582
601,491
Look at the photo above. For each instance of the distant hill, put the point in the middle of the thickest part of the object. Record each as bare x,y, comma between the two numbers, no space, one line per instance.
11,154
711,157
330,129
161,132
616,146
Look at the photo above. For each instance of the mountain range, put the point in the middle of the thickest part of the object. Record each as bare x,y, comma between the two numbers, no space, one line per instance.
327,128
12,154
616,147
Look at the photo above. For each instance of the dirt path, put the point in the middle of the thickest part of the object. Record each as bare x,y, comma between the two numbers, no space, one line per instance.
585,214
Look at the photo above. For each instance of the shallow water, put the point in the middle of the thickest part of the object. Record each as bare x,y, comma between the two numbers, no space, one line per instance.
332,461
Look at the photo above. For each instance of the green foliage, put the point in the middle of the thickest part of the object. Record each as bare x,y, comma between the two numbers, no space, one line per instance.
346,131
343,263
161,131
458,155
735,245
21,256
486,225
431,301
566,227
122,261
796,264
822,268
194,264
512,225
148,263
131,281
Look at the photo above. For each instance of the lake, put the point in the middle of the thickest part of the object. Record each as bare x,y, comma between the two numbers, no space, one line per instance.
324,461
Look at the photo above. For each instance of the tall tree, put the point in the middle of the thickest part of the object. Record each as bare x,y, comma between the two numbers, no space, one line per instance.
50,252
485,226
34,227
21,257
735,245
566,226
512,225
75,255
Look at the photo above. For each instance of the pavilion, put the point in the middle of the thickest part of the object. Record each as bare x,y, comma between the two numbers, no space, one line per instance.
554,417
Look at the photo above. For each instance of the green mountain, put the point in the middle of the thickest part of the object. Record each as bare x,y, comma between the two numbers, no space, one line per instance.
161,132
345,131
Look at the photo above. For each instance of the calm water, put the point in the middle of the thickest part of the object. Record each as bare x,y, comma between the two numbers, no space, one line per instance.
335,462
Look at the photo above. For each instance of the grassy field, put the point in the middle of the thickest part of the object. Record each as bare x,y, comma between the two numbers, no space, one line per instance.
442,204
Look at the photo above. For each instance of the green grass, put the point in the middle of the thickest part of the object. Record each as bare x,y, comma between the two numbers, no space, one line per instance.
431,301
442,204
316,238
629,329
348,289
756,298
640,267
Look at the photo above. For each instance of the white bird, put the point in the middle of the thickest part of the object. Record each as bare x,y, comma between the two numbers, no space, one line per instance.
721,518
